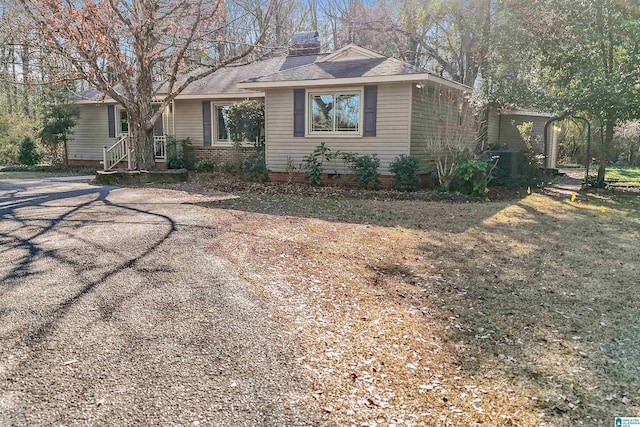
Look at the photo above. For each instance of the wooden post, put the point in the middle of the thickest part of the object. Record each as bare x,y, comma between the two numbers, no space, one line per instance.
104,158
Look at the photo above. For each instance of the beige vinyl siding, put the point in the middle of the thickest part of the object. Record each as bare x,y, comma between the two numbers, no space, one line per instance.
391,138
90,134
189,124
493,128
188,119
510,136
428,118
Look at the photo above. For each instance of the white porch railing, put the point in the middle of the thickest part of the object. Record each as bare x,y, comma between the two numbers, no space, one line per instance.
121,150
113,155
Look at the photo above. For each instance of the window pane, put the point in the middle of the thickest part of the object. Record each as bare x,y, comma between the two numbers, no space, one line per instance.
347,113
124,122
223,131
322,113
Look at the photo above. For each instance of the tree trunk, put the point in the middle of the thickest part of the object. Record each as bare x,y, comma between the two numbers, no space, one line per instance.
608,138
65,154
25,59
483,129
14,79
313,13
10,86
141,140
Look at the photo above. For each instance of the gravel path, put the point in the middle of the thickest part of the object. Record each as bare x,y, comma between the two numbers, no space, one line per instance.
112,313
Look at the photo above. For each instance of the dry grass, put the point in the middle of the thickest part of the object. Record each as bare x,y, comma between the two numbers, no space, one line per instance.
430,313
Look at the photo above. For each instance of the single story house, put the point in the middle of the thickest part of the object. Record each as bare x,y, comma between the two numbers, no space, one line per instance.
353,99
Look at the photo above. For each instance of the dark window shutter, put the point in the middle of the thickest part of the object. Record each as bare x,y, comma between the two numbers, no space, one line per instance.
206,123
370,110
298,112
111,117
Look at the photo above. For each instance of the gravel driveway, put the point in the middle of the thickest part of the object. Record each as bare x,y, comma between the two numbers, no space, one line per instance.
113,313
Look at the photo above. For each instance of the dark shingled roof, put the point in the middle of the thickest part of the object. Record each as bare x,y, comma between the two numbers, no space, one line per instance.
89,94
368,67
224,80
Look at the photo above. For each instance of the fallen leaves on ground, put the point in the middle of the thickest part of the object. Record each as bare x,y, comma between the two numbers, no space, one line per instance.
479,314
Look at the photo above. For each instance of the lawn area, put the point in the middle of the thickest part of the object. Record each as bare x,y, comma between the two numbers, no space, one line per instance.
629,177
615,176
519,312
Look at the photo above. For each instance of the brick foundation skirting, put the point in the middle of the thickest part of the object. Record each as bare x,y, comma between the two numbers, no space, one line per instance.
217,154
98,164
386,181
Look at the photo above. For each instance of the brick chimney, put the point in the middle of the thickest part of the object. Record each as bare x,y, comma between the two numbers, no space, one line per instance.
304,43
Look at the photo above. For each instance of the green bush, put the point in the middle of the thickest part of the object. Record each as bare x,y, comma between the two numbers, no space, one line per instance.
313,164
532,160
313,170
175,152
13,129
245,120
255,168
227,166
58,122
365,168
175,162
205,165
473,176
28,153
8,154
405,170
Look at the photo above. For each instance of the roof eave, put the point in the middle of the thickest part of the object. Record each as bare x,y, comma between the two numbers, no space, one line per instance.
355,80
531,113
236,95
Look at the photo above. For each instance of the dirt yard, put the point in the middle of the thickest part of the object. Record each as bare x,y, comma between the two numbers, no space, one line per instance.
434,313
161,306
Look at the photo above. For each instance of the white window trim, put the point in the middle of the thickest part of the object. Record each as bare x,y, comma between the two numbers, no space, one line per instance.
118,111
214,120
359,90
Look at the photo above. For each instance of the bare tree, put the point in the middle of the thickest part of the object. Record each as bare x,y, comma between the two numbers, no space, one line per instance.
451,135
154,49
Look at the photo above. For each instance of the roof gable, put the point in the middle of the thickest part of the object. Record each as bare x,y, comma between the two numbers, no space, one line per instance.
381,68
350,52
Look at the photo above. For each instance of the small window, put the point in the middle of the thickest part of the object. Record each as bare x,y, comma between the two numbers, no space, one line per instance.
222,133
335,112
123,120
